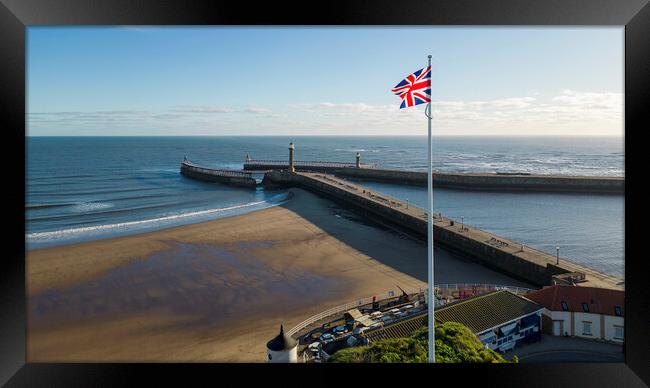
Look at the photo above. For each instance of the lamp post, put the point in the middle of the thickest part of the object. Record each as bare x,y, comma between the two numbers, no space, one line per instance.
557,255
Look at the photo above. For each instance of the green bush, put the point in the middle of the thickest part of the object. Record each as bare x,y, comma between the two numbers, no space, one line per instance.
454,343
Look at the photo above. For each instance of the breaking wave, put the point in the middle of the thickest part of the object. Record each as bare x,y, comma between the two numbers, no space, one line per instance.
152,223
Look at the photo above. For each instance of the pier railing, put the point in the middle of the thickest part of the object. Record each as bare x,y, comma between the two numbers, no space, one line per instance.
305,163
217,172
480,287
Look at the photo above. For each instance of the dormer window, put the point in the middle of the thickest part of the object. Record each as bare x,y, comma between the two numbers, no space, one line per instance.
565,306
585,307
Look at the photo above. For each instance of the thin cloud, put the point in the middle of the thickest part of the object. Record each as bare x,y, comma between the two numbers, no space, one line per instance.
204,109
256,110
568,112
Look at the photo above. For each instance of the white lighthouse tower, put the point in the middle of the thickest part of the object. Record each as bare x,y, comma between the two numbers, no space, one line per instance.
282,348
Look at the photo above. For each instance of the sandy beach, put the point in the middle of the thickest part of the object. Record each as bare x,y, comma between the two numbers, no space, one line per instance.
217,291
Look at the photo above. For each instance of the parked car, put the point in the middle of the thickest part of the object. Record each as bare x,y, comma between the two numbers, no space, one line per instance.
327,337
340,330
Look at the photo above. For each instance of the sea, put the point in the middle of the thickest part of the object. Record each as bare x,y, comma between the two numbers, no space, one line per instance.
88,188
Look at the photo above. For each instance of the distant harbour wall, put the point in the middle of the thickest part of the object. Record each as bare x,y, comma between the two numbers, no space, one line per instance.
533,266
490,181
461,181
234,178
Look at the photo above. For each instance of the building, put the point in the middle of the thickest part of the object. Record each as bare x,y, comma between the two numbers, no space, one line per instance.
282,348
500,319
586,312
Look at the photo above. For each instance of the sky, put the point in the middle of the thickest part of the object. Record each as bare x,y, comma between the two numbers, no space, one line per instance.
180,81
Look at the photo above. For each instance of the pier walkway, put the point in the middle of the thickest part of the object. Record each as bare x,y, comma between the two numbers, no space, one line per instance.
232,177
301,165
529,264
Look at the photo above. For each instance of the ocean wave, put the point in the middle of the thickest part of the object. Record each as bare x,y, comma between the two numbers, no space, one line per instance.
159,221
46,205
91,206
77,207
356,150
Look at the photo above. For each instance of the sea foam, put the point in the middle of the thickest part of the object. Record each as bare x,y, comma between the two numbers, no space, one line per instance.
152,223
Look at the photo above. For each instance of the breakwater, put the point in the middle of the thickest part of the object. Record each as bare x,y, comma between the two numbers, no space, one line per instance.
302,165
490,181
527,264
231,177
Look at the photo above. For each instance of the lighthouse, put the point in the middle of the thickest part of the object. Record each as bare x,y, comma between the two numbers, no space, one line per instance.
282,348
292,149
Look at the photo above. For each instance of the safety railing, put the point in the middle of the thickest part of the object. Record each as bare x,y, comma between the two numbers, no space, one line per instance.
480,287
346,307
305,163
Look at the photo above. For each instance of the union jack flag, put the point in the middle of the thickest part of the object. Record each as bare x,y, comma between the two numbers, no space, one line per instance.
415,89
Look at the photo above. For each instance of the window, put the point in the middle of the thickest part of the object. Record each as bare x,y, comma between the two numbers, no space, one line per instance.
586,328
585,307
618,332
617,311
565,306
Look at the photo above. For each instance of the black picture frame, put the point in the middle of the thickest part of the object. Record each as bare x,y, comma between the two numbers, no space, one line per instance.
16,15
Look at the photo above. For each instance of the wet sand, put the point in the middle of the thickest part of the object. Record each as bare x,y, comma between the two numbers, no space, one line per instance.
218,290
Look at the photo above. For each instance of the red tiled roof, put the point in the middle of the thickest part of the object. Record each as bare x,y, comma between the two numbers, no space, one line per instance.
599,300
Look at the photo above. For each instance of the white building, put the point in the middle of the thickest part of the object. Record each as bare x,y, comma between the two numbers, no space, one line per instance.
282,348
586,312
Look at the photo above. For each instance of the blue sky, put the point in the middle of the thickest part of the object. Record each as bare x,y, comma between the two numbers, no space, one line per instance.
322,80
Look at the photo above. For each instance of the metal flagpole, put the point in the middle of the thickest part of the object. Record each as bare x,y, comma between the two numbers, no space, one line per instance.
431,297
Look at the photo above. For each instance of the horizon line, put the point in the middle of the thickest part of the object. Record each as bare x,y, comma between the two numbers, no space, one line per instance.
305,135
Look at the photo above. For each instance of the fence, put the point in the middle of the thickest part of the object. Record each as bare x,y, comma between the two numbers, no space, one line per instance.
392,294
346,307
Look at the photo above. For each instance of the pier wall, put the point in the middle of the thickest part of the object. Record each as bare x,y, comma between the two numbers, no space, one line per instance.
531,265
233,178
304,166
490,181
